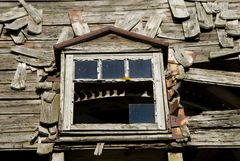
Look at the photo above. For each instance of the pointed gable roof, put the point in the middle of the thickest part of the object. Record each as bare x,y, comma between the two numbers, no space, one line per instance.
105,31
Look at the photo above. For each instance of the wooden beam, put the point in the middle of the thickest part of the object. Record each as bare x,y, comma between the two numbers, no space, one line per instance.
177,156
222,78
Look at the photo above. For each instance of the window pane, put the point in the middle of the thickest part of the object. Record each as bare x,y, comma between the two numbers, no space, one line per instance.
86,69
112,68
141,113
140,68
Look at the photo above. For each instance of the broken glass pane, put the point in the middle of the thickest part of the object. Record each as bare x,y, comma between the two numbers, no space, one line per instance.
140,68
86,69
112,68
141,113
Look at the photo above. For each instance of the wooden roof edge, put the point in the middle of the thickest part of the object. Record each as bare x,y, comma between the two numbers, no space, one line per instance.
108,30
105,31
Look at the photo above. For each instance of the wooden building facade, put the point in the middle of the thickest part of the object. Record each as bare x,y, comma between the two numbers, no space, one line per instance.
120,80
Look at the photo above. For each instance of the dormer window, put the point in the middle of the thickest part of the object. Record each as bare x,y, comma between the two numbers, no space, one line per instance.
113,91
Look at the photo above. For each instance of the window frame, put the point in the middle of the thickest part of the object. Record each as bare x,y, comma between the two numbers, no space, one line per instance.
67,90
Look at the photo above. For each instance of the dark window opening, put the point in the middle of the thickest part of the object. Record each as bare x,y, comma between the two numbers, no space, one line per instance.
86,69
112,69
120,102
140,68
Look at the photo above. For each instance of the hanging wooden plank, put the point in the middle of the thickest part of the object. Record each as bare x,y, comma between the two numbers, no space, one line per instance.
138,28
78,25
66,34
19,80
191,26
34,62
205,20
32,11
34,53
13,14
184,58
175,156
224,53
233,28
33,27
230,15
224,40
17,24
152,25
215,77
219,22
179,9
129,21
18,37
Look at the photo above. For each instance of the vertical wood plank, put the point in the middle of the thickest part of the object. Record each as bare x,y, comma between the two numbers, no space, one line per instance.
152,25
68,95
57,156
175,156
62,78
159,94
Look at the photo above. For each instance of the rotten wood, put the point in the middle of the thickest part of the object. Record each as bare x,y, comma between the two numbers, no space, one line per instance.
34,62
33,27
129,21
230,15
191,26
19,80
233,28
17,24
34,53
219,22
222,78
32,11
12,14
179,9
224,40
224,53
78,25
205,20
18,37
153,23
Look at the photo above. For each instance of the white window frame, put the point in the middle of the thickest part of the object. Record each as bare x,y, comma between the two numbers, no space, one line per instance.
159,90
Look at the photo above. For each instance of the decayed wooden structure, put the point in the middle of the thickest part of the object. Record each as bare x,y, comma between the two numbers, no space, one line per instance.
193,48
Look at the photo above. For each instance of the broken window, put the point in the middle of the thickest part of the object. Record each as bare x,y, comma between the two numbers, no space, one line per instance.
124,90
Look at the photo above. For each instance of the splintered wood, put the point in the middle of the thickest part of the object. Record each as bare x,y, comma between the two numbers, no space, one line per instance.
19,80
128,22
78,25
191,26
152,25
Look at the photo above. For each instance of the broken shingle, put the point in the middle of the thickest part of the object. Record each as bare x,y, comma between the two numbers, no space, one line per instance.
13,14
129,21
178,9
33,27
19,80
17,24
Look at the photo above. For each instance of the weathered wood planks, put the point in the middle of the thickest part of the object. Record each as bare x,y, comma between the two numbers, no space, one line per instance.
152,25
191,26
77,22
205,20
129,21
33,27
179,9
213,77
30,52
13,14
224,40
17,24
224,53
